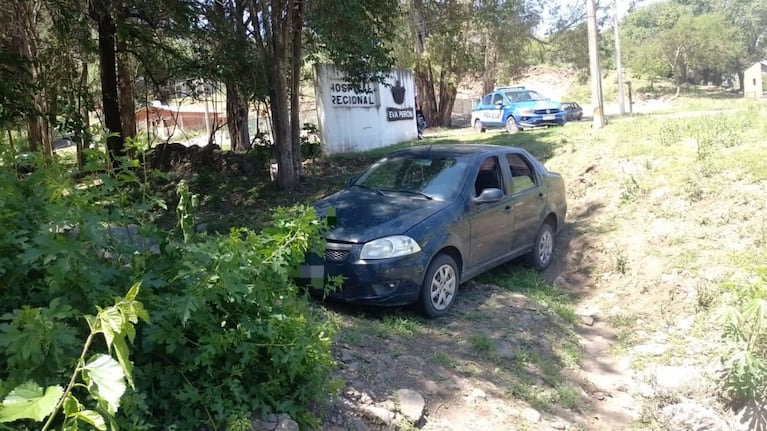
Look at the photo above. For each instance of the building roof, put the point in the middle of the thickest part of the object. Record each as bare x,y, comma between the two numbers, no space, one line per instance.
197,109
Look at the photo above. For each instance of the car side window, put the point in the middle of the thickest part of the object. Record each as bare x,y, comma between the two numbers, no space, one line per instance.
522,177
497,98
489,176
487,99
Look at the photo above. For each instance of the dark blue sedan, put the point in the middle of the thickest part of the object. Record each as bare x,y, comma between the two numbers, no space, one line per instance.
421,221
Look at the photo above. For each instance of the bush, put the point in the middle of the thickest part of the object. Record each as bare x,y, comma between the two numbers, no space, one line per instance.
744,372
230,333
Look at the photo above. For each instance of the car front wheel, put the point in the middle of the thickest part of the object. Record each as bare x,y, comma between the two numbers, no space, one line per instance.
478,127
440,286
511,125
543,250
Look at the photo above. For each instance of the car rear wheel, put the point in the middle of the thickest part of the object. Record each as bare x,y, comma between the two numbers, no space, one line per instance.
440,286
511,125
478,127
543,250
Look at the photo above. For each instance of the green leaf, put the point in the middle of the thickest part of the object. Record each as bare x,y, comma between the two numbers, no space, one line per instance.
72,406
93,418
133,292
28,401
106,381
121,350
110,322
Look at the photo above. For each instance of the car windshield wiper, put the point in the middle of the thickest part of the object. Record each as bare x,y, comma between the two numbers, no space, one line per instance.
362,186
414,192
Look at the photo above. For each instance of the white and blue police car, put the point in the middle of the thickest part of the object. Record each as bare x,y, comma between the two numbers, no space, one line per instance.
516,108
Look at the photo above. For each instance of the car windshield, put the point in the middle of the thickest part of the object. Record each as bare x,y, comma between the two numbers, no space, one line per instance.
524,96
434,176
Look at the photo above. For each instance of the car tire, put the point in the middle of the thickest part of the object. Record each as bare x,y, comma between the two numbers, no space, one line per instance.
543,250
440,286
511,125
478,127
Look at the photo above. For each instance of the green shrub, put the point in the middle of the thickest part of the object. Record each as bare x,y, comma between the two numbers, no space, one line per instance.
230,333
744,373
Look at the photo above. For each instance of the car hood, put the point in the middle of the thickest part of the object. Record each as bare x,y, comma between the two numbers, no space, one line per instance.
541,104
363,215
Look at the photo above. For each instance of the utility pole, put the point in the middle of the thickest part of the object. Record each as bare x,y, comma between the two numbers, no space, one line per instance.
618,65
596,73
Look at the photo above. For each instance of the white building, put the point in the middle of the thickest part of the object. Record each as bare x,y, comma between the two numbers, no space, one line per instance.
375,116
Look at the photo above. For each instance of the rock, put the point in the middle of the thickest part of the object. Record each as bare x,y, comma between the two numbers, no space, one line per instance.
646,391
281,422
651,349
599,395
531,415
559,425
689,415
379,414
411,404
505,350
476,395
561,281
346,356
411,361
286,423
587,320
677,378
356,424
269,423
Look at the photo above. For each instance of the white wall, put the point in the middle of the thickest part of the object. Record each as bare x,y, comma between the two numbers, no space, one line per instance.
349,121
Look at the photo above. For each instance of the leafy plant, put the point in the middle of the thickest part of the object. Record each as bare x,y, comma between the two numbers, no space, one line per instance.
232,334
102,376
744,374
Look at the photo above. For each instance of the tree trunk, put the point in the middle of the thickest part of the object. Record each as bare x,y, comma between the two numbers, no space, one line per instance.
427,97
491,59
424,84
741,78
84,134
278,94
100,13
38,128
296,10
446,102
237,118
125,89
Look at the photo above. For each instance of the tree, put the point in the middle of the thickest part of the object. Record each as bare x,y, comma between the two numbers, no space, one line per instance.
455,39
280,28
749,17
100,12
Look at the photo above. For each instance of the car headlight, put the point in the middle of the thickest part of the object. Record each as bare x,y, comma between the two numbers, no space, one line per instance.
526,112
390,246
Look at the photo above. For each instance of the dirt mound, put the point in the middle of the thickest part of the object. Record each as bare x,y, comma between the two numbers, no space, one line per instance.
193,158
552,82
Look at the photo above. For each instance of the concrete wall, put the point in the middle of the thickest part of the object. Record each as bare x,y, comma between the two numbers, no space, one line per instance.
377,116
752,82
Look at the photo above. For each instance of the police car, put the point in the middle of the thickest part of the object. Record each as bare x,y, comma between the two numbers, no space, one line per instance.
516,108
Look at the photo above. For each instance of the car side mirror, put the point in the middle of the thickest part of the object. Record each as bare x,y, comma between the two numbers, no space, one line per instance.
352,180
488,196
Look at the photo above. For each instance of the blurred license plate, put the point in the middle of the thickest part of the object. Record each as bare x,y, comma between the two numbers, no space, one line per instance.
549,117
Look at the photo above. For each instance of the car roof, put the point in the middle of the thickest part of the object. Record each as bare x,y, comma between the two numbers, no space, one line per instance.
512,88
456,149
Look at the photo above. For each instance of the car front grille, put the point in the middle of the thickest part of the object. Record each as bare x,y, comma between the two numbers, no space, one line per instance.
546,111
336,255
337,251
